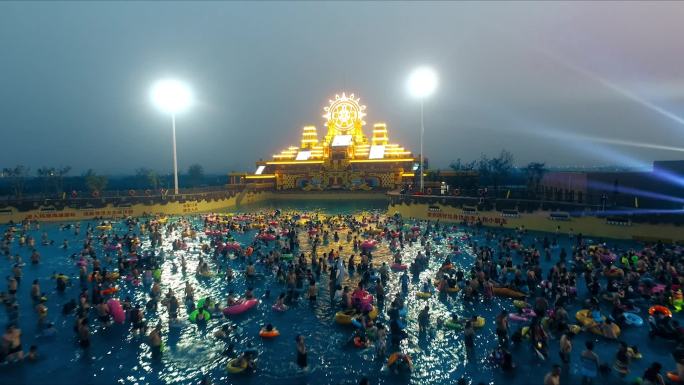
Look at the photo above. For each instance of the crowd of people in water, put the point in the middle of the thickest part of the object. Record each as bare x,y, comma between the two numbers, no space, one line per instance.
302,251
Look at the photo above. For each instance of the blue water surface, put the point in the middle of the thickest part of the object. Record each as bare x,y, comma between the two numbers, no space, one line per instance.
439,356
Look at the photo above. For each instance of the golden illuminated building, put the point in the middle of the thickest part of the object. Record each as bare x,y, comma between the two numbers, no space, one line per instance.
344,158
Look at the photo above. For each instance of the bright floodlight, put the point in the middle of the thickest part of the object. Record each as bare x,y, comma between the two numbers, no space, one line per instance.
171,96
422,82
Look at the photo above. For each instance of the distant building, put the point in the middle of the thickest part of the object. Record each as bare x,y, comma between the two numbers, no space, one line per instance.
344,159
661,188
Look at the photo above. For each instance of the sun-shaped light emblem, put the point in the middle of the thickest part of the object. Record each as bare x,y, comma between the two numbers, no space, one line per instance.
344,112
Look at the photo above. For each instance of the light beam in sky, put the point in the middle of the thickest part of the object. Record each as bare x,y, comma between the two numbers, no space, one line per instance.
614,86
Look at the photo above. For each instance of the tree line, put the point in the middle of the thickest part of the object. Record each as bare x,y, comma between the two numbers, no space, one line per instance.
499,170
46,181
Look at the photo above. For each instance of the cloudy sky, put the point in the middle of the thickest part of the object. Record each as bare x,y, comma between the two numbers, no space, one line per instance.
565,83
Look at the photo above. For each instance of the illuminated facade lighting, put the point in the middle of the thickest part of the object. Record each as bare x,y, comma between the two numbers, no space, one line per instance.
325,161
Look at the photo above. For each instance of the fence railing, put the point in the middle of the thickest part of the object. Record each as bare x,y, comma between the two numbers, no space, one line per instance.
513,206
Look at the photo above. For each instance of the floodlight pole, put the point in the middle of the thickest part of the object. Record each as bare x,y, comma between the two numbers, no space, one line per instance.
175,158
422,132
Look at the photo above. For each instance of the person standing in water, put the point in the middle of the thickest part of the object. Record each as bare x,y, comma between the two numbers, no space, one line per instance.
565,348
553,377
590,363
301,352
155,341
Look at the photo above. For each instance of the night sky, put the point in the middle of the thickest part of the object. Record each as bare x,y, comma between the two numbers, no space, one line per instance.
553,82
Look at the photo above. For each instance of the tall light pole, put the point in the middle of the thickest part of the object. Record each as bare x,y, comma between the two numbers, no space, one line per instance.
422,83
172,96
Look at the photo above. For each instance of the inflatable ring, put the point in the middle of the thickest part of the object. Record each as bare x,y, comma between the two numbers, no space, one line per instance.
95,194
456,192
633,319
659,309
397,357
344,317
520,304
398,266
451,324
359,343
131,192
423,294
195,313
507,292
263,333
429,191
109,291
232,367
634,354
672,376
392,359
240,307
584,317
74,194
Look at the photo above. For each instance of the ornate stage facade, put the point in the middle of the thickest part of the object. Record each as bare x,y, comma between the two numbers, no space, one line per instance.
343,159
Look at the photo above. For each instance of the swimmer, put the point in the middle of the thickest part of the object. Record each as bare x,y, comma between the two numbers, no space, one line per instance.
41,311
301,352
155,341
424,319
553,377
49,332
280,302
250,271
223,332
137,321
35,291
83,333
231,300
12,340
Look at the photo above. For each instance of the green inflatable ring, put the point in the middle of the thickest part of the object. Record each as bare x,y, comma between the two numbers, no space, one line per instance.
195,313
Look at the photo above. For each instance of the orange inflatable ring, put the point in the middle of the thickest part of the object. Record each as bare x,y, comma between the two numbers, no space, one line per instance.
672,376
395,356
659,309
263,333
109,291
359,343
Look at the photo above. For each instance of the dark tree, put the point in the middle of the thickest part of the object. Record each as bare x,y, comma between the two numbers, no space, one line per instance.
195,174
94,182
534,173
17,176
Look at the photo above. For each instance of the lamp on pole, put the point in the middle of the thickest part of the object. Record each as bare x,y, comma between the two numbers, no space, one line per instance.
172,96
422,83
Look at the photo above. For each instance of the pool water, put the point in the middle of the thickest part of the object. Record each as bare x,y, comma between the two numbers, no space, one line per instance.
439,356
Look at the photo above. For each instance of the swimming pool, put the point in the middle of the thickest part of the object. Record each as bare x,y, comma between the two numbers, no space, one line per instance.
190,351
